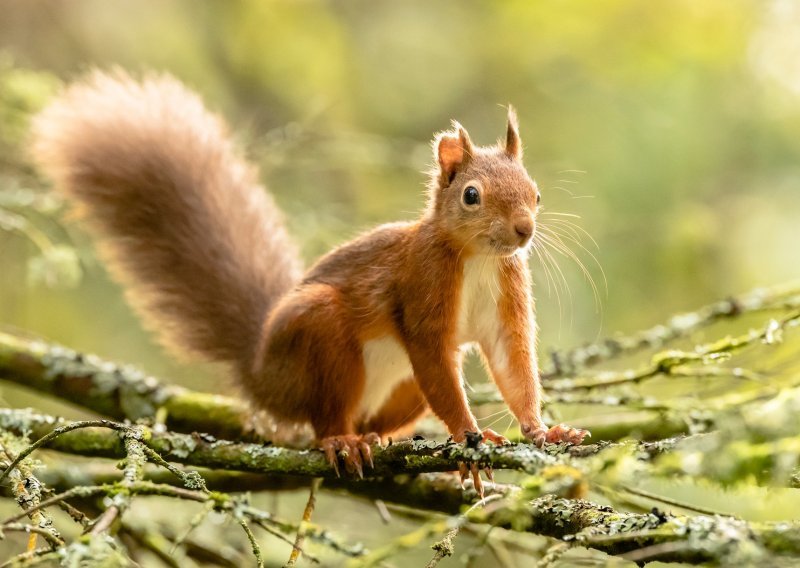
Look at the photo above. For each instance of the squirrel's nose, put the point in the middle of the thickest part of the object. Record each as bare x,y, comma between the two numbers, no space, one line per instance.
524,228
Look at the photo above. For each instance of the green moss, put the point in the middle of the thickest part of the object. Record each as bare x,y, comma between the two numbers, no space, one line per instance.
185,408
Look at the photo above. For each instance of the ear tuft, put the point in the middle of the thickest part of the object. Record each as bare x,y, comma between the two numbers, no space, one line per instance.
453,152
513,142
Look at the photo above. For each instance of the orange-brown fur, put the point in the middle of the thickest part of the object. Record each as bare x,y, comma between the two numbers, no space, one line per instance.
203,254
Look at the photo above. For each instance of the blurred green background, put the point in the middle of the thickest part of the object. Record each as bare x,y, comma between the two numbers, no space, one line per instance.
671,129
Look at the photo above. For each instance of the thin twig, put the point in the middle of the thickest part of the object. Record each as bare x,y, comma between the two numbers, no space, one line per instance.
669,501
553,554
32,558
782,297
27,489
253,543
104,522
655,550
74,492
21,527
133,472
301,530
444,547
55,434
674,362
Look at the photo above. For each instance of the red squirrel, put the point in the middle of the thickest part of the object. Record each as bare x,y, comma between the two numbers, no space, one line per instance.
373,334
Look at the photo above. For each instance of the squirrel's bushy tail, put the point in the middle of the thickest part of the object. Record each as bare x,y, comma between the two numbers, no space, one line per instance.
180,217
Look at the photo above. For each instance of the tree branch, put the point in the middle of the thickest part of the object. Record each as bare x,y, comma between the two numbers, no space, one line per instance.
117,391
416,456
585,523
564,363
698,538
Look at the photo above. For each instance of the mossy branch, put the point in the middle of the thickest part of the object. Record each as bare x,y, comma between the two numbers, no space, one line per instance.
124,393
777,298
694,539
117,391
574,520
410,457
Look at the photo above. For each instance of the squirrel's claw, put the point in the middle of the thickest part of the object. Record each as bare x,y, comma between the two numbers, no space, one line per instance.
352,460
538,437
466,470
331,447
476,478
366,454
472,469
365,445
353,449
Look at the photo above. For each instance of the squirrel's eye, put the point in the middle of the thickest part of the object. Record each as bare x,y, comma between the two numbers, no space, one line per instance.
538,198
471,196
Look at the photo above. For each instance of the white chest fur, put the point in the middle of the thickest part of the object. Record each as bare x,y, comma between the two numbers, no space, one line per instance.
386,364
386,361
478,316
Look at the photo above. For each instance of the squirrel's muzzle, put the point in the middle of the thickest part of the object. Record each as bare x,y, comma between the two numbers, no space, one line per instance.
523,228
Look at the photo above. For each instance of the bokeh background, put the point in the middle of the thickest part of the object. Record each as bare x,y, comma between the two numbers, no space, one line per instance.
671,129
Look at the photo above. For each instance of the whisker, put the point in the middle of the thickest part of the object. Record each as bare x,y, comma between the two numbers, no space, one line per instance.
553,240
561,224
565,190
576,227
557,231
503,411
546,261
548,266
559,246
548,278
546,240
578,242
510,422
495,421
544,213
562,277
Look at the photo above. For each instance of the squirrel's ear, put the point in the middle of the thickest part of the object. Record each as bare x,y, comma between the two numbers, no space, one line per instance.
513,143
453,152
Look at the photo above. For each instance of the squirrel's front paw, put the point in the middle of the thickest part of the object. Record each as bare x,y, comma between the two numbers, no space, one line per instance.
472,439
557,434
492,436
353,449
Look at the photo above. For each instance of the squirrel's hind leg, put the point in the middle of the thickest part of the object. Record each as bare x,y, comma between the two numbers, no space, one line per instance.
313,366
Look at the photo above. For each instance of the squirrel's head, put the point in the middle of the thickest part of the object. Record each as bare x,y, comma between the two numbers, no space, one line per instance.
482,197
